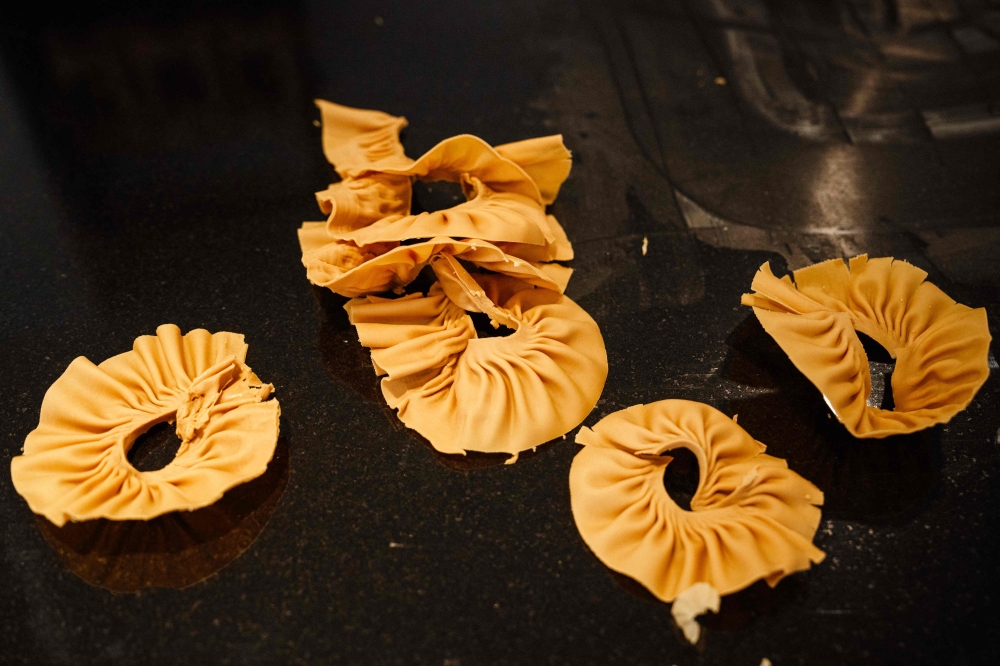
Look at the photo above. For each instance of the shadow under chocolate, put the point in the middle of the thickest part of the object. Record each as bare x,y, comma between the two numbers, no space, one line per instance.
737,610
174,550
871,480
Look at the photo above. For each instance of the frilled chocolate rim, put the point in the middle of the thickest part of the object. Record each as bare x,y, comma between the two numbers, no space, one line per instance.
941,347
428,359
75,467
628,519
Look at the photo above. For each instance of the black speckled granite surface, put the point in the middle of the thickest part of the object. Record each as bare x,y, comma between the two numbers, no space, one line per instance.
155,164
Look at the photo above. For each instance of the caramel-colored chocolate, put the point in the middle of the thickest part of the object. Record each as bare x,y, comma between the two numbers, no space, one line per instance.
368,211
751,517
941,347
74,465
498,394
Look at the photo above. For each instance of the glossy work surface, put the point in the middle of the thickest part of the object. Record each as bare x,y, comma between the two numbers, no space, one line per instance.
154,168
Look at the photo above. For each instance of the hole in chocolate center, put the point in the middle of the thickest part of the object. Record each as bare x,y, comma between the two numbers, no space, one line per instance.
681,477
484,329
154,449
880,368
431,197
875,352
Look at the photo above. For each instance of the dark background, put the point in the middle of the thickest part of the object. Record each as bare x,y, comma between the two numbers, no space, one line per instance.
155,164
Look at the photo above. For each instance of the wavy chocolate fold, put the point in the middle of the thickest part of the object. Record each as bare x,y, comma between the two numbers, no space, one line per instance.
751,518
74,465
941,347
498,394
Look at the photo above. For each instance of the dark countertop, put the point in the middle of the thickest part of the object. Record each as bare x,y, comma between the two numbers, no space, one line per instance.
154,166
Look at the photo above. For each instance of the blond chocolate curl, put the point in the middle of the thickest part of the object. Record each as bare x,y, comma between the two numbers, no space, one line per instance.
356,139
751,518
74,465
505,204
496,395
352,271
498,216
462,392
507,189
941,347
355,203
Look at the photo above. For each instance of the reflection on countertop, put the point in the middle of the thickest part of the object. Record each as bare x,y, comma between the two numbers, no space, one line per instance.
175,550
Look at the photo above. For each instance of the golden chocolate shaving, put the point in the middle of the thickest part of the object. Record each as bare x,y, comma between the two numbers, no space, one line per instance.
462,392
751,517
496,395
74,465
368,212
941,347
355,139
504,203
351,271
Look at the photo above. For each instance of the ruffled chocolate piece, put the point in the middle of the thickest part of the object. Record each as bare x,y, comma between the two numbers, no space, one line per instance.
941,347
355,139
507,189
496,395
74,465
751,518
352,271
496,216
462,392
